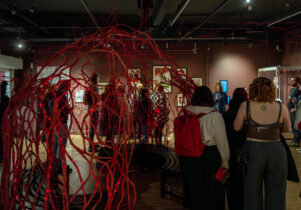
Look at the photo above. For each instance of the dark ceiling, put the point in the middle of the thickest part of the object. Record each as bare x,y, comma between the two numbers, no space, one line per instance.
65,20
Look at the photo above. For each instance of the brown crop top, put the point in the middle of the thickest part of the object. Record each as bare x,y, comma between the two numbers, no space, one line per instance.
263,131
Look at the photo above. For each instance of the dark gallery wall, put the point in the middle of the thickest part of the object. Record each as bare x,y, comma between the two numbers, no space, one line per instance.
237,63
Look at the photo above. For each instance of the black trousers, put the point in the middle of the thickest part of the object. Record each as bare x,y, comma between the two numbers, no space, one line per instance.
296,132
234,185
201,189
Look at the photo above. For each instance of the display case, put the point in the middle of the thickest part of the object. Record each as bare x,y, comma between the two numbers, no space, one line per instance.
281,75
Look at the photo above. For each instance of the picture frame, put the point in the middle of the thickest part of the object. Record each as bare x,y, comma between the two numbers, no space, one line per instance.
182,72
161,77
224,85
135,75
79,96
181,101
101,87
198,81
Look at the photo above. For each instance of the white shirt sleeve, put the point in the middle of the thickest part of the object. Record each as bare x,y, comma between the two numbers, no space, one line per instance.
220,138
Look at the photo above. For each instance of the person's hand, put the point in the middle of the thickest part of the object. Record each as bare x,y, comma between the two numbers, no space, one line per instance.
292,110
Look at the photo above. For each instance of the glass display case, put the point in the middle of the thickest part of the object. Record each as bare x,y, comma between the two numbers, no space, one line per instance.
281,75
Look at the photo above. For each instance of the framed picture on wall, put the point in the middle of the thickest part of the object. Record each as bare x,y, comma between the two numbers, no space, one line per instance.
135,75
182,72
181,101
224,84
102,87
79,96
198,81
161,77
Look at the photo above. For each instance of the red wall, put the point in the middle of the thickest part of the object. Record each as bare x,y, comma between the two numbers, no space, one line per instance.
208,64
292,49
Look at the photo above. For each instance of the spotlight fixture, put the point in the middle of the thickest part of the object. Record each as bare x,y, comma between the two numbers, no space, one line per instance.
248,1
250,45
20,45
278,49
194,49
33,8
14,10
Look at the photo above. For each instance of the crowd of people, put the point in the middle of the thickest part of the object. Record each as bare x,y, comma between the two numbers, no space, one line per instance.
149,110
247,142
249,130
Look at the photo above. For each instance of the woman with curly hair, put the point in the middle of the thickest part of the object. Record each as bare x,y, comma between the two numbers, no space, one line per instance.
267,159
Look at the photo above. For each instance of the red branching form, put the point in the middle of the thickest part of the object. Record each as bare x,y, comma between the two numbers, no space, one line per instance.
42,114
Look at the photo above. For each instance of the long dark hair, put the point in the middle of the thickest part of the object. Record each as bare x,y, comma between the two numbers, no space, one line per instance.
202,96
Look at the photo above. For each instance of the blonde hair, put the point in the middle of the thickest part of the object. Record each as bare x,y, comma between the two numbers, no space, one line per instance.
262,89
220,87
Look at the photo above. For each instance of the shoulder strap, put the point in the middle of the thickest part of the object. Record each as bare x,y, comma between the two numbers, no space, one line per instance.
280,110
248,111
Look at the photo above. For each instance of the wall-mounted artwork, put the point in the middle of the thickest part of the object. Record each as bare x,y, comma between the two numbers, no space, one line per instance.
181,100
182,72
102,87
135,75
79,96
161,77
224,84
198,81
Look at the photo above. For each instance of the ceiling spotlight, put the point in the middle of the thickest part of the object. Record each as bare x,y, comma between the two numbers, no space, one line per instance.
14,10
32,9
194,49
166,45
287,5
250,8
20,45
248,1
278,49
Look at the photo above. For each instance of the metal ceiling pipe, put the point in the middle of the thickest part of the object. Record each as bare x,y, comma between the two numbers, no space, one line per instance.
183,5
90,13
217,9
156,39
284,18
25,18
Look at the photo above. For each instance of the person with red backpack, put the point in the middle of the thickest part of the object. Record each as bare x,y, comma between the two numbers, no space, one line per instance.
202,146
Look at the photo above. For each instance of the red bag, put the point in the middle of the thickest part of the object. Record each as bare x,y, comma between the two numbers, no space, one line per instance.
222,175
188,137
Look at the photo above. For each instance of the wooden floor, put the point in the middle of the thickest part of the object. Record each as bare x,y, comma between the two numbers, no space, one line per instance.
148,184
